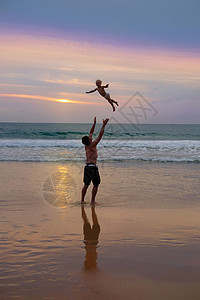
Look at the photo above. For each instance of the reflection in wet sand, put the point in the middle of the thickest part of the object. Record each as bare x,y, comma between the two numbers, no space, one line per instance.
150,239
91,235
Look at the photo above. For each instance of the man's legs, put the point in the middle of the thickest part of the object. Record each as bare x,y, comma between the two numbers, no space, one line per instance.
84,190
94,192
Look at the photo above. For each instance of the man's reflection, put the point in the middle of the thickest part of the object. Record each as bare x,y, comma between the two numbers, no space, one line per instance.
91,235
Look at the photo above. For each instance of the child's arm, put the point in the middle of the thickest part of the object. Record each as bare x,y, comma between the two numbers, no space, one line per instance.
92,91
105,86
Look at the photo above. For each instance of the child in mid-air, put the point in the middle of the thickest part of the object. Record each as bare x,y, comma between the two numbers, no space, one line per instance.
101,89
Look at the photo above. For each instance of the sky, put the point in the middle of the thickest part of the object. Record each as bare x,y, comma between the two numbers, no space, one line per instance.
52,52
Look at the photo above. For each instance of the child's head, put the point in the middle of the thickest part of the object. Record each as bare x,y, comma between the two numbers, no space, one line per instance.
86,140
98,82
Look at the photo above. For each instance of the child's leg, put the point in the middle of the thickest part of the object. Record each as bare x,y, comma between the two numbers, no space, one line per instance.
111,104
114,102
111,100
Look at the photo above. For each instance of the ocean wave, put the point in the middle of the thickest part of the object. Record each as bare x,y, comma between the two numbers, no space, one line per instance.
109,150
156,160
75,131
35,143
153,144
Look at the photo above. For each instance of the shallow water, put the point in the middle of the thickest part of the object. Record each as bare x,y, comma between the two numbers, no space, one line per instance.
148,244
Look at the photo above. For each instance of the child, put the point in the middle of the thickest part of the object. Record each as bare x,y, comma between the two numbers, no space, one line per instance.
101,89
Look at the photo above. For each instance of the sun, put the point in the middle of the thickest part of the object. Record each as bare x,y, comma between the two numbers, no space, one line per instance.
63,100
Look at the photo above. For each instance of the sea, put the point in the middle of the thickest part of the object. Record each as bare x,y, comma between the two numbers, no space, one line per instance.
56,142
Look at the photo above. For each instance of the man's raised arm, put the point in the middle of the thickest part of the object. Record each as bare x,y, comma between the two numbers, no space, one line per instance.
101,133
93,127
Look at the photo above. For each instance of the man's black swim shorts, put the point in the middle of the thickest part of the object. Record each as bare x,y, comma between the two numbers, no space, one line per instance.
91,173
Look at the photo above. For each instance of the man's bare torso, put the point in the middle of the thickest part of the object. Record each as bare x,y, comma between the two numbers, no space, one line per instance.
91,154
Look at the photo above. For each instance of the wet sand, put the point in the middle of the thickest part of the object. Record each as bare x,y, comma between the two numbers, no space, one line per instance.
142,240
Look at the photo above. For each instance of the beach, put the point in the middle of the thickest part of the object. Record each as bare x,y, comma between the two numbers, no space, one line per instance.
147,231
114,90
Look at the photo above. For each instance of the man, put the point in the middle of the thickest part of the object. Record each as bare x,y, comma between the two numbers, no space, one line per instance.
91,172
